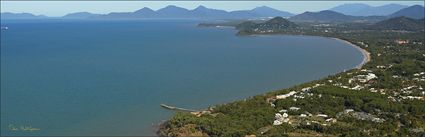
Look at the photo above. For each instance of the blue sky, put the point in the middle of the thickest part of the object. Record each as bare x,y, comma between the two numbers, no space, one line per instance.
60,8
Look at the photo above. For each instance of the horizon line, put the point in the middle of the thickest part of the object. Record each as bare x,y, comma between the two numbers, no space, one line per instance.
193,8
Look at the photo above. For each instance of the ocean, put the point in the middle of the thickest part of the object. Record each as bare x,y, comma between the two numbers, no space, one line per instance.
75,77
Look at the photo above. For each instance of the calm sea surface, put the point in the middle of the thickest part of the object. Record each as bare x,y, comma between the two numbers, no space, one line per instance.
109,77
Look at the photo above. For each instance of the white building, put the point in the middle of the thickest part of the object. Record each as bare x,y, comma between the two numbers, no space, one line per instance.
333,120
294,108
286,95
322,115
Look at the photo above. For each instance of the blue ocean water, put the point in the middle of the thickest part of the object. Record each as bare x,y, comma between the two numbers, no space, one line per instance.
109,77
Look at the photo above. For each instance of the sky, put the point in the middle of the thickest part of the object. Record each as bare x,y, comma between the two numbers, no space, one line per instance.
60,8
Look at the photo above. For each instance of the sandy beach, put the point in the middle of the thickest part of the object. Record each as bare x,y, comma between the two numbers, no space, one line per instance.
365,53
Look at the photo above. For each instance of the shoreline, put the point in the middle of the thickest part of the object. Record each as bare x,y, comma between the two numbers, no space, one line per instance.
365,53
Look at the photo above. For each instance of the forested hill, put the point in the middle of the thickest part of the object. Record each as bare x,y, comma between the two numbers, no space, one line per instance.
274,25
400,23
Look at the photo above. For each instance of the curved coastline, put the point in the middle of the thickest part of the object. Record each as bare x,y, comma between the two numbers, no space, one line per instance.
365,54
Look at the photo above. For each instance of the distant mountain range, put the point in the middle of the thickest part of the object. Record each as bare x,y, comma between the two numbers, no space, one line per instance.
328,16
263,11
416,12
391,10
366,10
80,15
199,12
9,15
343,13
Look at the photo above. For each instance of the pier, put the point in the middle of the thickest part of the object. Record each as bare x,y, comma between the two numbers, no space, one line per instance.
177,108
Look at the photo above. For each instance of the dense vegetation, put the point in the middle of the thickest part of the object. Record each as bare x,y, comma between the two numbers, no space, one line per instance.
400,23
275,25
389,103
327,16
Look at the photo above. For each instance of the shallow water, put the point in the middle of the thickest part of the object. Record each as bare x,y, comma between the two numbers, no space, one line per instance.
109,77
